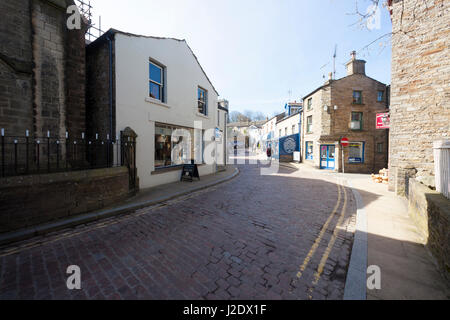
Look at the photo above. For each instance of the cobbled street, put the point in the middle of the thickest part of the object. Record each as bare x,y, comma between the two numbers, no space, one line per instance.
281,236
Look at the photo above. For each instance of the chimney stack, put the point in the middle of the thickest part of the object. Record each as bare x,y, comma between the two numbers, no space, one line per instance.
355,66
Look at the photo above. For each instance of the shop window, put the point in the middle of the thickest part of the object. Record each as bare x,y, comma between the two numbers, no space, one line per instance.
173,145
356,152
309,150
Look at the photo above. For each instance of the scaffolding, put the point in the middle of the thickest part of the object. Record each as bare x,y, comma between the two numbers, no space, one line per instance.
94,30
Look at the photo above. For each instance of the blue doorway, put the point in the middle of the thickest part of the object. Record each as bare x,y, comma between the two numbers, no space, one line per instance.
327,157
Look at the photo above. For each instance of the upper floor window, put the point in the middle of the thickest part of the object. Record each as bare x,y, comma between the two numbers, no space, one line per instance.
280,132
357,97
309,124
380,96
293,129
309,104
156,81
285,131
356,123
218,118
202,101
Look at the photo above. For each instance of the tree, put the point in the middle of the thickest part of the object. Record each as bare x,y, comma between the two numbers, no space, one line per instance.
236,116
370,19
246,116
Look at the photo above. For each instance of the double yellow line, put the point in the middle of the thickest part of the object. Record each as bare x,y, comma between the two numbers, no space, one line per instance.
312,251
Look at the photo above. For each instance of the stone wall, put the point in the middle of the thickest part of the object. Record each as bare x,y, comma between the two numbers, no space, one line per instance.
430,211
420,95
98,113
16,112
42,69
35,199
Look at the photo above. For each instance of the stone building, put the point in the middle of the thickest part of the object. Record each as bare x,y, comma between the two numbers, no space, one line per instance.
420,106
346,107
420,115
42,69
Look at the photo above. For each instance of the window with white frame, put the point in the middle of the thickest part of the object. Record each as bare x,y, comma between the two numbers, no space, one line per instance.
309,124
156,81
202,101
357,121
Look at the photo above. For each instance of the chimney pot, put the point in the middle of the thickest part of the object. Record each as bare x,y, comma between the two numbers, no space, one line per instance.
355,66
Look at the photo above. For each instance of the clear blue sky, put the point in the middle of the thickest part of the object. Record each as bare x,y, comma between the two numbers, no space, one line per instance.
255,51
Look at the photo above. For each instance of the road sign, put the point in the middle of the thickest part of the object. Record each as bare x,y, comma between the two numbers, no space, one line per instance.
344,142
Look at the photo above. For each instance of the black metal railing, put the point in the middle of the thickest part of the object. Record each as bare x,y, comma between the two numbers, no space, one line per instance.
22,155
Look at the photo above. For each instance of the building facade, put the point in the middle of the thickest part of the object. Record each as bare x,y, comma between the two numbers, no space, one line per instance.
158,89
420,107
346,107
288,131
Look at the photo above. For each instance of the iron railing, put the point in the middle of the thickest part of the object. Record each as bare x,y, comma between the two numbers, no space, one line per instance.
22,155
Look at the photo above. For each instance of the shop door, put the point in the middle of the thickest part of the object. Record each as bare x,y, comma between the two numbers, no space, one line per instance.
327,157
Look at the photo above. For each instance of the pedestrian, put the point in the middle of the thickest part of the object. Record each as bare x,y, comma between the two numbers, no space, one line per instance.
269,152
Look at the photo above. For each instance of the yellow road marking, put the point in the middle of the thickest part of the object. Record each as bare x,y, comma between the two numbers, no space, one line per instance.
327,252
320,236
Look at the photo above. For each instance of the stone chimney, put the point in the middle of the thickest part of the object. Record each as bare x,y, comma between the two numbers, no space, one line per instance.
355,66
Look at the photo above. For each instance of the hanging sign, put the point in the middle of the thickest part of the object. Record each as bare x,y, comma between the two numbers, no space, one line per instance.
383,121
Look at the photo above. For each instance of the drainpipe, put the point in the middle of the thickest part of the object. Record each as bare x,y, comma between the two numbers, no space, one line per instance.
300,134
110,88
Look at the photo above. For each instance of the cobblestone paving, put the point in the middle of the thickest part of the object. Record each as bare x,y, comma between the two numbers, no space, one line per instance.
250,238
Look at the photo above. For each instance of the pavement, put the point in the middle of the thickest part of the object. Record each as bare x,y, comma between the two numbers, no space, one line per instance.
387,237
